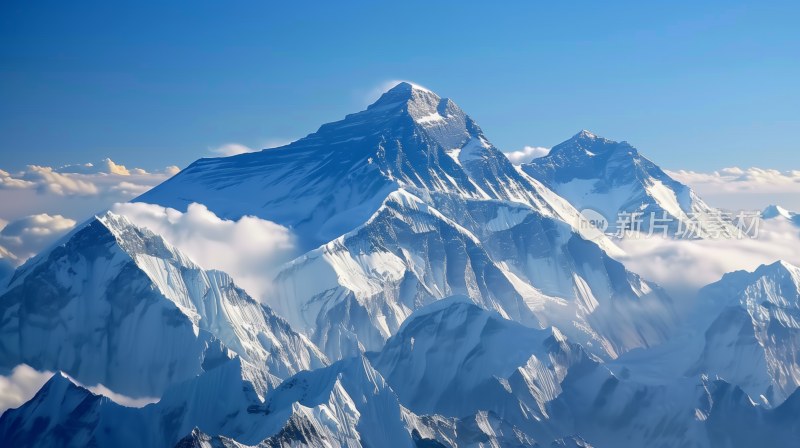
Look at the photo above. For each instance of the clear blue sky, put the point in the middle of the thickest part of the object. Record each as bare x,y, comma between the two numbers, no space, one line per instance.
696,85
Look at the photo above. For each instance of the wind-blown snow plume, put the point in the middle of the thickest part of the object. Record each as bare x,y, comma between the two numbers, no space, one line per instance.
231,149
248,249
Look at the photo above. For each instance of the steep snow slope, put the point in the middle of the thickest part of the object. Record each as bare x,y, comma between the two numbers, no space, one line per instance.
453,357
456,359
115,304
613,178
753,339
776,212
529,386
353,293
64,414
346,404
333,180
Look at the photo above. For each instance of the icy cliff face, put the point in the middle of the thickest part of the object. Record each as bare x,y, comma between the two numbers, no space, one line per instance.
333,180
754,335
615,180
409,203
116,305
353,293
454,375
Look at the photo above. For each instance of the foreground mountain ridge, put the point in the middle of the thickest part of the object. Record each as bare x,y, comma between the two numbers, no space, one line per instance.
117,305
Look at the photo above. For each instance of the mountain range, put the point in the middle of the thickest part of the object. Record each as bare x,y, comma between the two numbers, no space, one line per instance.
443,297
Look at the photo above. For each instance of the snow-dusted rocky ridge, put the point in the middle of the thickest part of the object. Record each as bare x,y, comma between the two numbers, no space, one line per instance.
333,180
115,304
753,339
614,179
445,298
385,191
776,212
450,377
506,257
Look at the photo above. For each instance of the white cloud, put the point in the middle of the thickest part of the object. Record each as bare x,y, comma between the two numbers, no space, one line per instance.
27,236
683,266
231,149
75,191
48,180
171,170
20,386
249,249
130,188
79,180
737,188
7,181
106,166
527,154
24,382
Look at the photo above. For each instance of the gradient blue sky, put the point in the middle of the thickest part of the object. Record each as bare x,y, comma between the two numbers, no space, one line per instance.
695,85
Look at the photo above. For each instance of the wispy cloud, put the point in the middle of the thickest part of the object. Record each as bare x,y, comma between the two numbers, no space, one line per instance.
73,191
527,154
48,180
737,188
20,386
248,249
25,237
105,166
683,266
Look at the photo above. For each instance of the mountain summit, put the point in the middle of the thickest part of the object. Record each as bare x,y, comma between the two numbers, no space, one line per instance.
614,179
330,181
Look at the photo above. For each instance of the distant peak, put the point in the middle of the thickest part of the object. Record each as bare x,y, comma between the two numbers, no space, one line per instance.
583,134
780,266
774,211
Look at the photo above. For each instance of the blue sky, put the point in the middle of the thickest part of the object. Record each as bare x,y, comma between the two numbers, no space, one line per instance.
695,86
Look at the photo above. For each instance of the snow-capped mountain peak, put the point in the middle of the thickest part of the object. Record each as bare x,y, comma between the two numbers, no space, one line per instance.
333,180
615,180
754,337
115,304
585,134
780,213
774,211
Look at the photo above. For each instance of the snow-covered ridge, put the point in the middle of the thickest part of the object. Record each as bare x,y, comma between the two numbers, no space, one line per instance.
331,181
614,179
753,334
116,305
504,256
